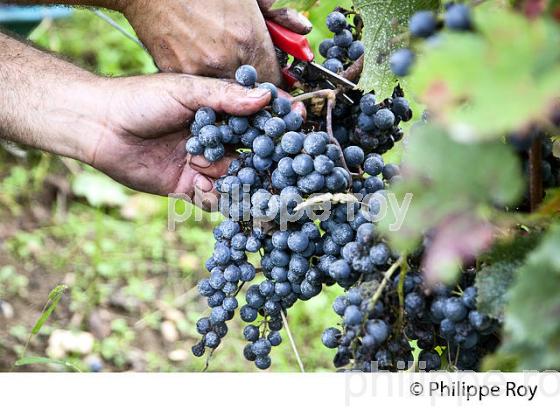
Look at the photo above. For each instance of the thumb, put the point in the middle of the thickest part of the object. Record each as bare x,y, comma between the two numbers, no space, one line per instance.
222,96
288,18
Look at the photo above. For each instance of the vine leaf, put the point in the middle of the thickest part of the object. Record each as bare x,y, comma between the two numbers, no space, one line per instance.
451,183
383,20
501,262
516,64
533,307
459,238
492,284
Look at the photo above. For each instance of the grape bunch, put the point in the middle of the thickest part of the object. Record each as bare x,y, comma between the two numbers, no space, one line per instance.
344,48
283,168
425,25
377,328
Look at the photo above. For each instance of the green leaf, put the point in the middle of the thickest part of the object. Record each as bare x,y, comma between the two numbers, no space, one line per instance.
531,316
493,283
52,303
300,5
512,249
383,20
446,177
501,77
44,360
99,190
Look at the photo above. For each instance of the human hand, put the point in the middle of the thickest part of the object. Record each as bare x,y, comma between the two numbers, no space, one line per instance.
147,121
211,38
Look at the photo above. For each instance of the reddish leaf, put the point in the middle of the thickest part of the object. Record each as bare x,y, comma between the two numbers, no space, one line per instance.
534,8
458,239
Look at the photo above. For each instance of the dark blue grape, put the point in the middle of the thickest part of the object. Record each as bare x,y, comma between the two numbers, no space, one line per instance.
298,241
214,154
280,239
274,338
354,156
401,108
251,333
271,87
292,142
315,143
311,183
279,274
281,106
248,272
401,61
246,75
414,304
260,119
469,297
352,316
230,303
293,121
263,146
238,124
253,244
262,164
203,325
232,273
194,146
458,17
198,349
340,304
205,288
274,127
303,164
454,309
205,116
211,340
368,104
330,337
266,288
374,164
210,136
390,171
356,50
263,362
422,24
324,46
336,22
333,64
285,167
379,254
218,314
384,119
249,136
343,38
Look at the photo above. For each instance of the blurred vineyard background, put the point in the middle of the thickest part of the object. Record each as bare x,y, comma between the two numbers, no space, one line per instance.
131,302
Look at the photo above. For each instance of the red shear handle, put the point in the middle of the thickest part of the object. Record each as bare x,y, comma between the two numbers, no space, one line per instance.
289,42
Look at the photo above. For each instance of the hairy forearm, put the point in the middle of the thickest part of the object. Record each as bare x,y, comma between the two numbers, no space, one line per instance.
109,4
48,103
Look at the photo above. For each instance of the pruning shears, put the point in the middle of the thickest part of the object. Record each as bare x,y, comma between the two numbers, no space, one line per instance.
288,43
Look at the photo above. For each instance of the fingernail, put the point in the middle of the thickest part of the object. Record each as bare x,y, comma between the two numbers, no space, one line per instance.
258,93
199,161
203,183
305,22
